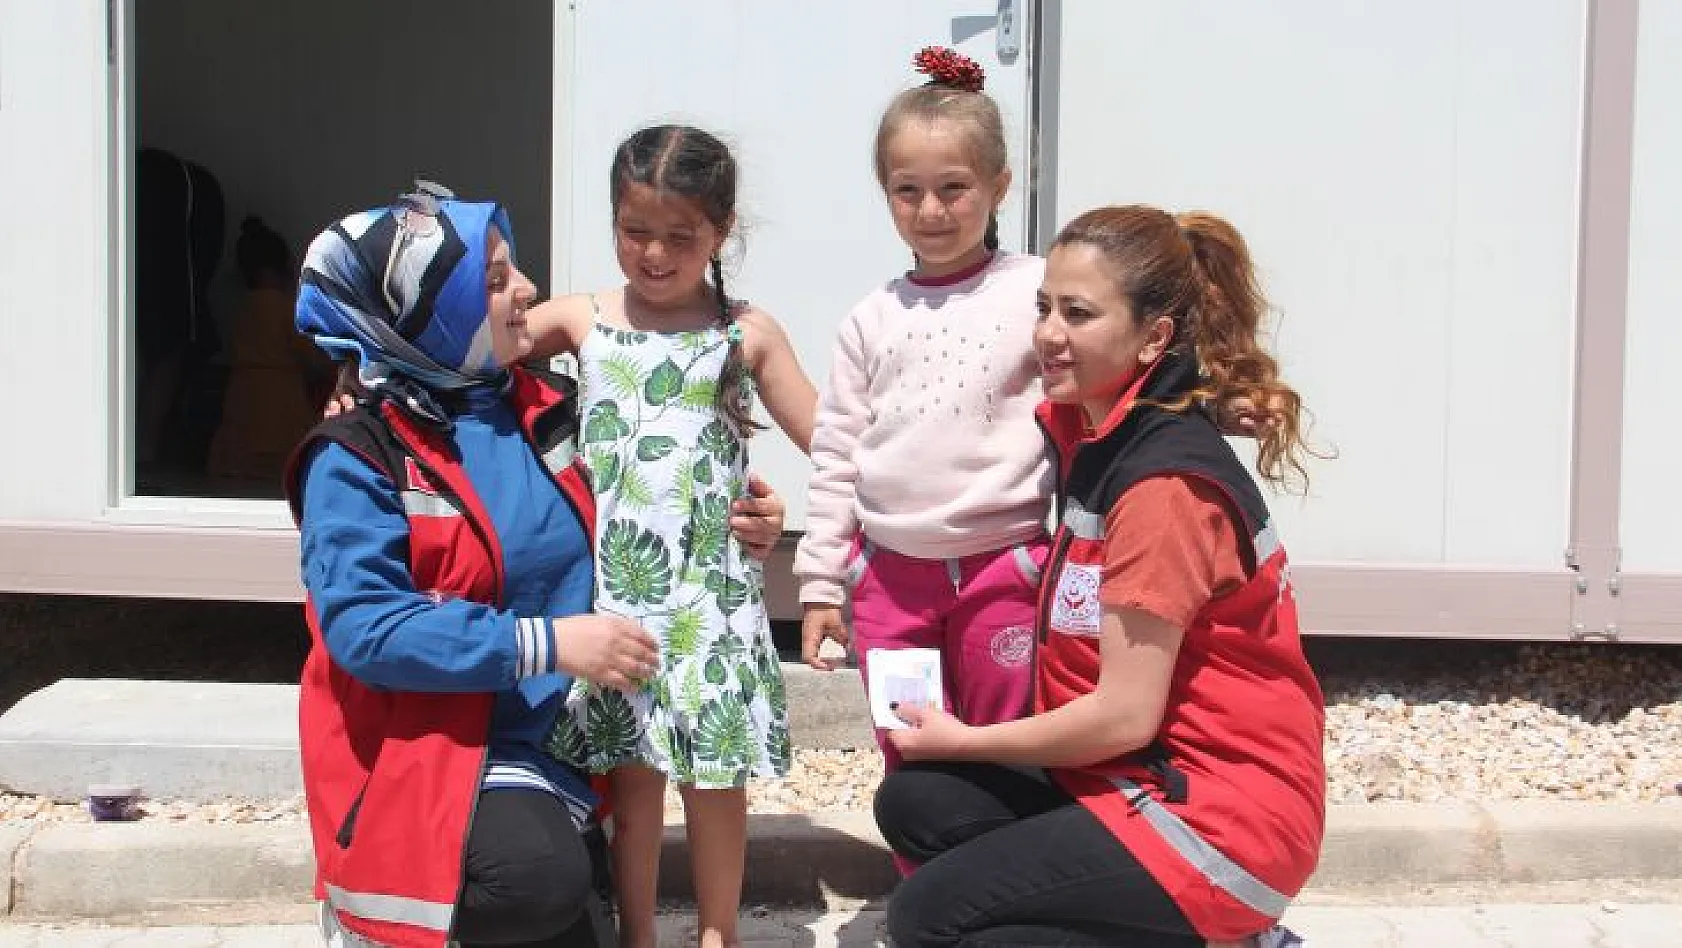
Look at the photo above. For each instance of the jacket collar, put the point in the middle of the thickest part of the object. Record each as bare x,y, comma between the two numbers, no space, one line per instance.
1171,376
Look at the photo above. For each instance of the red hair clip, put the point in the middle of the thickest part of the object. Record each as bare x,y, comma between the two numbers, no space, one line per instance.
948,67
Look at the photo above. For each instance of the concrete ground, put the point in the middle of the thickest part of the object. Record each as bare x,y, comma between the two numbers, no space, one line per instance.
1396,854
1506,925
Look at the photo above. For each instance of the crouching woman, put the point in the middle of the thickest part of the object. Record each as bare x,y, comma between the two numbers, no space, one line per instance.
445,528
1169,788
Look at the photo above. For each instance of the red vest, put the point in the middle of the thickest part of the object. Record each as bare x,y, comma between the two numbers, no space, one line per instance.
391,778
1227,809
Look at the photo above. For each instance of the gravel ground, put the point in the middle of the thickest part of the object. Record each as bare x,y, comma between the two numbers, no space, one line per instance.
1418,721
1530,722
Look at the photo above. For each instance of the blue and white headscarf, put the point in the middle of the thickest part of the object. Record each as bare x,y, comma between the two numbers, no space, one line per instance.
402,290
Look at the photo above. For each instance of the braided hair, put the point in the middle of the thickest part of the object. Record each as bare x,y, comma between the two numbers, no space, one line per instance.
693,164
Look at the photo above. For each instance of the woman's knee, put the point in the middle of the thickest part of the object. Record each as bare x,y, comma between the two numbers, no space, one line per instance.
541,897
529,872
910,814
919,911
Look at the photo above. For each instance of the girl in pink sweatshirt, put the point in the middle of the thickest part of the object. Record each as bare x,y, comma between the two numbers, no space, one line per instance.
930,482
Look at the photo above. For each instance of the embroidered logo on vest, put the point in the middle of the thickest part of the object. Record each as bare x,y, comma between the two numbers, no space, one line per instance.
1075,609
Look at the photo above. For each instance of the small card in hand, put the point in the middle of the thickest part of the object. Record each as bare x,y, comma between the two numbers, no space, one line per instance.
906,677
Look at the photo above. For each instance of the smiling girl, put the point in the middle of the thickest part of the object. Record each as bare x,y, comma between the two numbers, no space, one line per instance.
670,365
930,483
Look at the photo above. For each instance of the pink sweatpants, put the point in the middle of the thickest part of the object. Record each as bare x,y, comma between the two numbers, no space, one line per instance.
977,610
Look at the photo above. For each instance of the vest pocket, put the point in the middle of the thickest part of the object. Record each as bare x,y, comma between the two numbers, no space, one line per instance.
347,828
1030,561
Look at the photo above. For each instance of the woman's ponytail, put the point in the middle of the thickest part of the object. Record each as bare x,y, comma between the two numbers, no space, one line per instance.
1226,319
1195,269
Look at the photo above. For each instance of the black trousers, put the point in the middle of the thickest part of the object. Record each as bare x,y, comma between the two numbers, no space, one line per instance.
1010,859
531,878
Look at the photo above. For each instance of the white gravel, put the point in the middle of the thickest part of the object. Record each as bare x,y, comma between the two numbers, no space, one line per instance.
1404,721
1538,722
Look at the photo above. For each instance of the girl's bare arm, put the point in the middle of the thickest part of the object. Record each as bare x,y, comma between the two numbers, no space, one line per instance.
787,391
558,326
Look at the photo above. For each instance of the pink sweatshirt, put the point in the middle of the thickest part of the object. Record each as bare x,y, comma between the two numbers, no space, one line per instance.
926,439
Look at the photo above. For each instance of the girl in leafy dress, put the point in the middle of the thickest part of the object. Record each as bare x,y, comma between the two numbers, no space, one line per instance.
670,366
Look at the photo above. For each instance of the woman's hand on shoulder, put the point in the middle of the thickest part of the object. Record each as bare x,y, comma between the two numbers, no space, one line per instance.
558,326
347,391
784,387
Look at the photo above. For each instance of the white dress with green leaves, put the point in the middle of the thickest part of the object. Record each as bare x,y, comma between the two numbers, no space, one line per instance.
665,466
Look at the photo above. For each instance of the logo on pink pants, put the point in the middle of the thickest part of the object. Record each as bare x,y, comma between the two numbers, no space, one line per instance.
1012,646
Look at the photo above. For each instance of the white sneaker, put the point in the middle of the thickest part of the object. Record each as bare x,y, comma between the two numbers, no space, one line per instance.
1277,937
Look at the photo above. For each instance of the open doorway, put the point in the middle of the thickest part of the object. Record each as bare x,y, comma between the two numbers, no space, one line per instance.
256,125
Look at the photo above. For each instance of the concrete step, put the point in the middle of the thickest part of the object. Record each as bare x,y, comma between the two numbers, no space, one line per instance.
171,739
204,741
830,859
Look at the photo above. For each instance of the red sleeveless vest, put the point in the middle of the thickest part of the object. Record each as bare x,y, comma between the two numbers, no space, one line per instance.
391,778
1227,808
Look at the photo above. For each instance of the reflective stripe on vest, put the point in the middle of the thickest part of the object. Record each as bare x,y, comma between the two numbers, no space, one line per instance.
1081,522
1086,525
1025,563
418,503
1267,543
397,909
557,458
1221,872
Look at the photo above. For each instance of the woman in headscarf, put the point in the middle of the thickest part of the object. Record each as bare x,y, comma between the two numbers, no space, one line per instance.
445,532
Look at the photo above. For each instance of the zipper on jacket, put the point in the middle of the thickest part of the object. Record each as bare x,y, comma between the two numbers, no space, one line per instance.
1048,587
1048,591
1059,539
1053,565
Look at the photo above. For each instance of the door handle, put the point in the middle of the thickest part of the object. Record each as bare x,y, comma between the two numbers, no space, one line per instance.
1008,31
